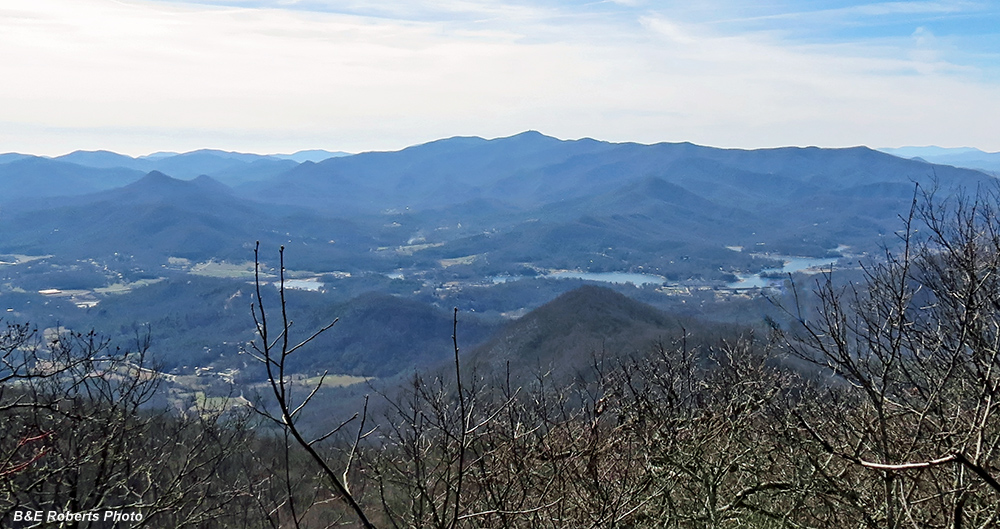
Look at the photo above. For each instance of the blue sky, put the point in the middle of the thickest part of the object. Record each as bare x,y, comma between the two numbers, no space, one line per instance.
137,76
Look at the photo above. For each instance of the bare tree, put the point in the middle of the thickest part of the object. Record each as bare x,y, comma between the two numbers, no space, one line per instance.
81,438
917,347
273,348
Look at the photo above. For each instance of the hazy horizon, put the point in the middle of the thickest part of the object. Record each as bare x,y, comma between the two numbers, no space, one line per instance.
334,150
139,76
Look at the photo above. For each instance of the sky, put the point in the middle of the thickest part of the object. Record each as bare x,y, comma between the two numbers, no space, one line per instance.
267,76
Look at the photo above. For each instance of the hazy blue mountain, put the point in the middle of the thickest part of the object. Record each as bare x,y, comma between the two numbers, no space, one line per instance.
158,155
958,156
928,151
530,170
154,217
652,197
35,177
467,208
106,160
231,168
152,188
228,155
435,174
672,208
256,170
13,156
311,155
206,161
157,187
159,216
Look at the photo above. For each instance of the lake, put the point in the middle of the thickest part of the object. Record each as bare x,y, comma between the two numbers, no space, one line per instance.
303,284
604,277
792,265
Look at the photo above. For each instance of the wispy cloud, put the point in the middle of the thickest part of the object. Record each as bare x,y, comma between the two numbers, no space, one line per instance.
426,10
907,8
277,75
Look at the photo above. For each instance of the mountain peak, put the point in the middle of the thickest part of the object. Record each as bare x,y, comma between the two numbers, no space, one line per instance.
160,183
13,156
590,304
211,185
157,183
530,135
563,334
98,151
102,159
310,155
157,176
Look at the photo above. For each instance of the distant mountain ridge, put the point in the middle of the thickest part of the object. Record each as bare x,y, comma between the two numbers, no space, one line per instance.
158,216
782,198
35,177
530,169
967,157
469,207
310,155
232,168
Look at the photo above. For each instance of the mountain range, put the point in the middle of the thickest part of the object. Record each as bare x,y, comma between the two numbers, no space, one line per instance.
488,206
230,167
967,157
